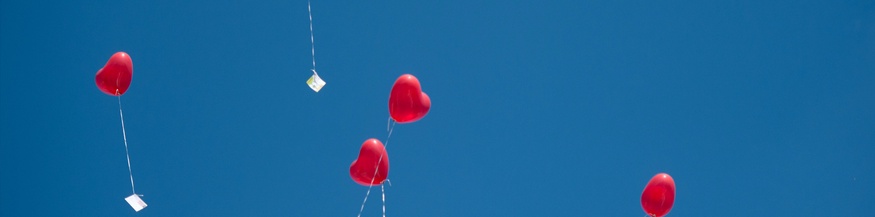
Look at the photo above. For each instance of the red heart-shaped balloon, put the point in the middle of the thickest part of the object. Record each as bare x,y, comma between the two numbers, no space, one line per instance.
115,77
658,195
364,169
407,102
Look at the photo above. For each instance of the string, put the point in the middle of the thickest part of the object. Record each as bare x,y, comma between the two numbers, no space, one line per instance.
125,136
390,129
366,200
312,41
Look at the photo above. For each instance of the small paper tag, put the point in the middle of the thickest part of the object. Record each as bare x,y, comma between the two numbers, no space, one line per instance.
315,82
135,202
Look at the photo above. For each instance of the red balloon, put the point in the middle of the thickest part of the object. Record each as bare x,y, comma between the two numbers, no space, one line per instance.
363,168
407,102
658,195
115,77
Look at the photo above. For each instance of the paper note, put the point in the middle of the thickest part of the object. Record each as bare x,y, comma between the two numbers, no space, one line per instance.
315,82
135,202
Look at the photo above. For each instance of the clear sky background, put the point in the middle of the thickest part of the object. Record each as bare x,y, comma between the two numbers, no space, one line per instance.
539,108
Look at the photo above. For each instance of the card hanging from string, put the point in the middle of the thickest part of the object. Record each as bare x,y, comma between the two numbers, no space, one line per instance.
134,199
315,82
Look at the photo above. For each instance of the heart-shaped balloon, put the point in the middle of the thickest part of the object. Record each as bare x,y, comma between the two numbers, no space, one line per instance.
115,77
364,169
407,102
658,195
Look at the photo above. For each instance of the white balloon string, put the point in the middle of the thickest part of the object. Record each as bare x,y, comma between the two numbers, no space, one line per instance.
125,137
366,200
312,41
371,184
377,169
390,131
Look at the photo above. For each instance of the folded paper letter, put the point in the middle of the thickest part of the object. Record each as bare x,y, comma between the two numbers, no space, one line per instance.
135,202
315,82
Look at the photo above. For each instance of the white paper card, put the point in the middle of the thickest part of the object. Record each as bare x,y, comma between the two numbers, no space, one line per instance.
135,202
315,82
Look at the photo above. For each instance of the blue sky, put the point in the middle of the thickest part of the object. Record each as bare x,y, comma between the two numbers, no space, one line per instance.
557,108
